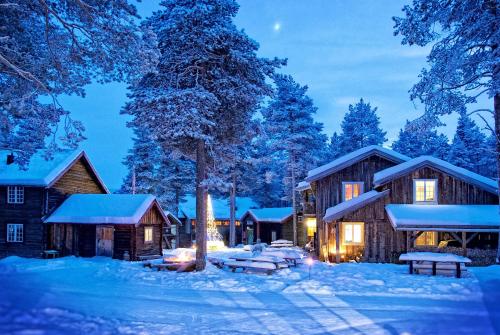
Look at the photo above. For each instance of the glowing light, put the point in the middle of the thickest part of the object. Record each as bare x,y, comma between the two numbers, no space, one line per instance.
214,238
309,261
277,26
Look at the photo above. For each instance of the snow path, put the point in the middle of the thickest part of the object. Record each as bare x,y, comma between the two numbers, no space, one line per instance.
77,296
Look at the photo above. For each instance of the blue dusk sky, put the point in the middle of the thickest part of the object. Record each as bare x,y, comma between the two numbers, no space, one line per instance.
343,50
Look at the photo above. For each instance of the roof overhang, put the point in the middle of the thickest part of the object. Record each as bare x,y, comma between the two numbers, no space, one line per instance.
338,211
452,218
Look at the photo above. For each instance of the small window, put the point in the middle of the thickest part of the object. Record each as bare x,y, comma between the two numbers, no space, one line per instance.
351,190
425,191
15,232
15,194
148,234
353,233
427,238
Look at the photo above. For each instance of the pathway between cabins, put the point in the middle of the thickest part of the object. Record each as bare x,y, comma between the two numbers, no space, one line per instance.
69,298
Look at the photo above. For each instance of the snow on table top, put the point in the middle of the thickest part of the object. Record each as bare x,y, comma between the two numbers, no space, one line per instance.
352,158
250,264
433,257
270,214
383,176
187,207
341,209
444,216
102,209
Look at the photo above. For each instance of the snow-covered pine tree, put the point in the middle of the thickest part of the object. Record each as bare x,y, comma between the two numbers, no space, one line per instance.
289,124
208,82
490,167
51,48
360,128
468,148
414,142
333,149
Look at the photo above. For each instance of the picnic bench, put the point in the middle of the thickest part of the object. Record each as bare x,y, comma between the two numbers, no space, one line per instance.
292,257
50,254
277,261
432,262
267,267
281,244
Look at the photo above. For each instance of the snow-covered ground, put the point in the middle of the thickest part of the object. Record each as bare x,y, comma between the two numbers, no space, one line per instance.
99,295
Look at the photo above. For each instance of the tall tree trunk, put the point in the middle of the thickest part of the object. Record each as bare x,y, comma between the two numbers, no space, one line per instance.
497,136
232,214
294,199
201,207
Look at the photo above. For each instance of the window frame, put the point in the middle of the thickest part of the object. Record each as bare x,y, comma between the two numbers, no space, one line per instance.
146,235
361,190
435,239
359,223
14,238
17,193
425,202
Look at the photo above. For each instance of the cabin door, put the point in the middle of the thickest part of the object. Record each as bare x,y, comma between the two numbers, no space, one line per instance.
104,241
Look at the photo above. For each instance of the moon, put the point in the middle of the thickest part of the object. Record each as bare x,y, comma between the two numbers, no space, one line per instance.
277,26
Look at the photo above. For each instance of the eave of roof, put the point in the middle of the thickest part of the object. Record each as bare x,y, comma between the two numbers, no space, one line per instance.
338,211
382,177
352,158
254,213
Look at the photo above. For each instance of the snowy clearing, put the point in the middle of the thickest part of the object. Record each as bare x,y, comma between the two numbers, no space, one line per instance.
99,295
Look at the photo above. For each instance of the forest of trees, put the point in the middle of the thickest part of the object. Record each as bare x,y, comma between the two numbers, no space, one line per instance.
209,114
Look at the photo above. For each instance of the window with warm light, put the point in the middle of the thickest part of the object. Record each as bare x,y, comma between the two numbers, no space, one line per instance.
428,238
351,190
148,234
311,227
425,191
353,233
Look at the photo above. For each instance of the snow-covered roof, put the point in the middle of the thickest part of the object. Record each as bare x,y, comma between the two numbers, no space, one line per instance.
354,157
173,219
103,209
303,186
338,211
41,172
270,214
187,208
389,174
444,217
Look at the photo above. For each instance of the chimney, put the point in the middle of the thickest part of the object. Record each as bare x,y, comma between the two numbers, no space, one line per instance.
10,159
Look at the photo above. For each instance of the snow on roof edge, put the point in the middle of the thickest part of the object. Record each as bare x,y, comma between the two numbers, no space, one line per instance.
351,158
280,219
302,186
382,177
337,211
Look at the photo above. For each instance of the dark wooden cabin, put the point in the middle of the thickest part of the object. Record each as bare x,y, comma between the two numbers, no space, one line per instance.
28,196
122,226
371,224
266,225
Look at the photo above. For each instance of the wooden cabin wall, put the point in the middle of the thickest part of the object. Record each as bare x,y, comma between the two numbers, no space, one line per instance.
266,229
287,231
29,214
124,240
328,190
78,179
152,218
451,190
73,239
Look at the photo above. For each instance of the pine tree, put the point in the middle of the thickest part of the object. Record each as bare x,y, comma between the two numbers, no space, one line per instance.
469,147
289,124
208,83
414,142
360,128
490,167
333,149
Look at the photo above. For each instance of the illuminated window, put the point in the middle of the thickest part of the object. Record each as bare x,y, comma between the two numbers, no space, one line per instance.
427,238
351,190
425,191
148,234
311,227
353,233
15,232
15,194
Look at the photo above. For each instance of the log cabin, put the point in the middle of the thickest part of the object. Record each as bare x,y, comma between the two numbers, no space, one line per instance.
267,225
30,196
374,204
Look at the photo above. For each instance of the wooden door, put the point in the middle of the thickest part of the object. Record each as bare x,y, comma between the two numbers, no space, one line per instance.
104,241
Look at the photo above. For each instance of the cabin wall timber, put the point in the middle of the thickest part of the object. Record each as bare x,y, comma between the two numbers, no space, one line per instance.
328,190
287,231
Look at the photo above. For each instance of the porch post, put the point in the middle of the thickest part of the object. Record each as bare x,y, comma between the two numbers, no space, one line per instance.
464,243
337,242
257,233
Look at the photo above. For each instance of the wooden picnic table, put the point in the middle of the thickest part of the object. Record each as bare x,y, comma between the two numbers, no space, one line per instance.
435,261
267,267
264,259
50,254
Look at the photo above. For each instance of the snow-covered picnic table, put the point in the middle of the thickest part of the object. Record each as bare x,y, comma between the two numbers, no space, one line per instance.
277,261
291,256
435,261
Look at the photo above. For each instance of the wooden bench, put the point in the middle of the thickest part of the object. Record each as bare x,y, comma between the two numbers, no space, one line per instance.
292,257
148,257
50,254
277,261
174,266
433,262
268,268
